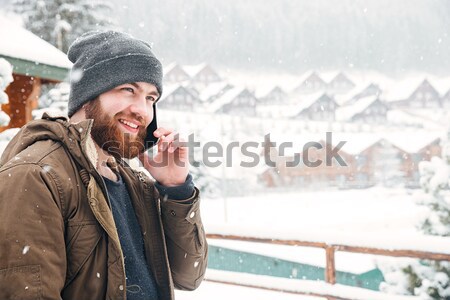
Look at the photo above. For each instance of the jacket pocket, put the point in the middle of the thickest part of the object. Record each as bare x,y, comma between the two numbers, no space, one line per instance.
81,240
22,282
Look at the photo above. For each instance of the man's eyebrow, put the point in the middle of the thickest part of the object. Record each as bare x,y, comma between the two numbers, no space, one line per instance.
154,93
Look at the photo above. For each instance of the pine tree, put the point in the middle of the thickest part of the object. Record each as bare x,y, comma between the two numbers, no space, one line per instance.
425,278
61,22
432,278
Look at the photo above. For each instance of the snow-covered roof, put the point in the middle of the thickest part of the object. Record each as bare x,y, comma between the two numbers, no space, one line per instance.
402,89
169,89
169,67
340,75
441,84
193,70
277,110
403,117
266,90
305,101
413,141
355,143
309,74
347,112
212,89
20,43
226,98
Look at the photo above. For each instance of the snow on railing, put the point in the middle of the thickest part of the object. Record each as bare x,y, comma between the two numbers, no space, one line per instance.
413,245
300,287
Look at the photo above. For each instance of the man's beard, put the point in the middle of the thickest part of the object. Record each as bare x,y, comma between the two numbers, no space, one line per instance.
110,138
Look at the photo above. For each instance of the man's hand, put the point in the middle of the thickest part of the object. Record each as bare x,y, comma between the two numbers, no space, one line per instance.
170,166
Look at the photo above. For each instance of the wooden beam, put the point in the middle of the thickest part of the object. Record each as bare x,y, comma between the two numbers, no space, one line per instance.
346,248
267,241
395,253
330,271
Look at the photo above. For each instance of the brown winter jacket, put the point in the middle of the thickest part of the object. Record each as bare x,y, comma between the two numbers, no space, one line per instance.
57,233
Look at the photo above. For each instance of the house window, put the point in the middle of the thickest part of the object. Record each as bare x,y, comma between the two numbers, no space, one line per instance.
179,97
361,160
416,157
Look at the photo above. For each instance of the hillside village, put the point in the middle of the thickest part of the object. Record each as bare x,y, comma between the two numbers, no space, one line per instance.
389,125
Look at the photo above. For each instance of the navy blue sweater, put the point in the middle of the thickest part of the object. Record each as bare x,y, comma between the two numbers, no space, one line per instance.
140,281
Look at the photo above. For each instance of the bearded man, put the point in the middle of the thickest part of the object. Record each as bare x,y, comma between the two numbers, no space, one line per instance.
76,222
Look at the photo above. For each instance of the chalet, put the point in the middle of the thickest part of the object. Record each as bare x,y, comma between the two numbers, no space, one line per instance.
237,101
390,159
340,84
174,73
406,94
365,110
370,90
213,91
356,172
35,63
178,97
316,107
414,147
311,83
272,96
201,75
425,96
445,100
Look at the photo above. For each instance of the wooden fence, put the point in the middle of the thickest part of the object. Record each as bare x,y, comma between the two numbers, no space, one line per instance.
330,249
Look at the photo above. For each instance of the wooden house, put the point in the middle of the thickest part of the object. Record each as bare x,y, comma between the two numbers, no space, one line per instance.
178,97
425,96
312,169
214,91
311,83
415,147
445,100
236,101
174,73
316,107
35,62
390,159
370,90
340,84
272,96
365,110
201,75
408,94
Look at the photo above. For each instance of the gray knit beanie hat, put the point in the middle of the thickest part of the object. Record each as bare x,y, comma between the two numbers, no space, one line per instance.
103,60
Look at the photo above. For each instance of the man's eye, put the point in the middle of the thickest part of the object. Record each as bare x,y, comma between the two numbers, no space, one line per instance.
151,98
128,89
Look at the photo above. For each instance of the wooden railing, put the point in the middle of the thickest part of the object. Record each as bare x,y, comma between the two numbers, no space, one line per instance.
330,249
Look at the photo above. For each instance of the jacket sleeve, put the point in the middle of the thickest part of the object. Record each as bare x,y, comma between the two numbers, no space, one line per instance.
32,247
186,241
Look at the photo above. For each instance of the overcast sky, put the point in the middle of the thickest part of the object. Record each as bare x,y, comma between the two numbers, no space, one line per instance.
296,35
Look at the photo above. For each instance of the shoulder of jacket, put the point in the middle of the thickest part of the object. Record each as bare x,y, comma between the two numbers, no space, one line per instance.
55,163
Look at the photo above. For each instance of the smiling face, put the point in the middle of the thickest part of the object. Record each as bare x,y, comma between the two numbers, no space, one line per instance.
121,117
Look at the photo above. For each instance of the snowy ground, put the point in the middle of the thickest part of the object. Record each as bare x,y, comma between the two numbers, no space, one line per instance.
389,213
219,291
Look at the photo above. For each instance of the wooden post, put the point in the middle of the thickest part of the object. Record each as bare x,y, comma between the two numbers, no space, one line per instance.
330,271
23,95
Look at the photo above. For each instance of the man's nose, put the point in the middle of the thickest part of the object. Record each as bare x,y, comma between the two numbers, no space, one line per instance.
140,107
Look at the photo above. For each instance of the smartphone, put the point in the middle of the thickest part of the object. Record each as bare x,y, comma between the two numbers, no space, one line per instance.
150,140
